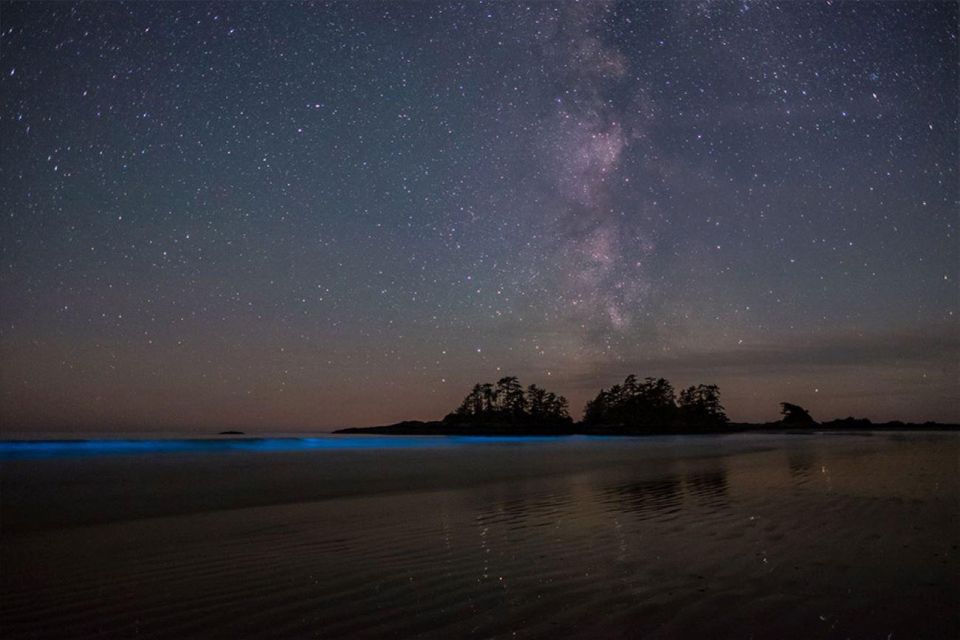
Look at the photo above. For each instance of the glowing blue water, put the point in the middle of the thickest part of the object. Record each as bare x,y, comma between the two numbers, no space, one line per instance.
10,450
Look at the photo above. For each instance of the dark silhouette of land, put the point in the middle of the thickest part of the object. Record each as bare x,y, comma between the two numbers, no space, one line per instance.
796,416
635,407
507,403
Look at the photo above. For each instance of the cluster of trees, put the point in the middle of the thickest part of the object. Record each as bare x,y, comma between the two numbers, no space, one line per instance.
633,403
508,401
650,404
636,406
653,404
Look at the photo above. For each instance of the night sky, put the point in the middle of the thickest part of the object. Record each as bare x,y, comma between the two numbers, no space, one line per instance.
292,216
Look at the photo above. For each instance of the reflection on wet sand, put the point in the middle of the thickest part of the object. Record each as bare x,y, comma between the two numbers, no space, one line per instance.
817,537
802,464
660,496
666,495
708,488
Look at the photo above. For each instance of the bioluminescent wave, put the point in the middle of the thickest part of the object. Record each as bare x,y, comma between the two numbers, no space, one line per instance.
66,448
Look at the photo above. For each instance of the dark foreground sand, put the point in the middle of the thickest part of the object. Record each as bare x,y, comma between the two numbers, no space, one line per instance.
764,536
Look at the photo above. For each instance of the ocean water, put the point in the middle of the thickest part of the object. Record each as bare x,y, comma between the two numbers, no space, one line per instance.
761,535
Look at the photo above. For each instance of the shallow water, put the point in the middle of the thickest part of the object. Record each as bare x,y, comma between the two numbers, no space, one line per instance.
765,536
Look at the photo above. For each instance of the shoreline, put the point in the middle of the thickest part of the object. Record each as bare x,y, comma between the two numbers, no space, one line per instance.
438,428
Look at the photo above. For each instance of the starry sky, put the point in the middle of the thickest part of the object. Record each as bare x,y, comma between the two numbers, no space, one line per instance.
274,216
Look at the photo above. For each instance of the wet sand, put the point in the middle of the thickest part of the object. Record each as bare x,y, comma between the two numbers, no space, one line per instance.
764,536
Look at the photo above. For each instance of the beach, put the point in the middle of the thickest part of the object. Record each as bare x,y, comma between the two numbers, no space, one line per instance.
747,535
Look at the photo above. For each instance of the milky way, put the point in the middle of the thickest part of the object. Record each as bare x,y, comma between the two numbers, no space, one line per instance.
281,216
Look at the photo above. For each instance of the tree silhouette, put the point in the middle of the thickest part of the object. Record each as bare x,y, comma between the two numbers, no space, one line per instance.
536,400
597,409
649,405
560,408
795,415
510,394
473,403
636,406
489,395
700,406
507,402
630,387
656,400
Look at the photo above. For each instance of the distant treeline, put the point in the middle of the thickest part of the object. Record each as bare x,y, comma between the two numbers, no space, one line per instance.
650,405
653,404
508,402
635,406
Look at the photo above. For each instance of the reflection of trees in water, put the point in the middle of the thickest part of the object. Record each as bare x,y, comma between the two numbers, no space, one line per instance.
508,518
708,487
665,494
516,505
802,463
658,495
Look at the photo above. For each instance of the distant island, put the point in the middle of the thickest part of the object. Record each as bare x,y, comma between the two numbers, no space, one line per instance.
635,407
